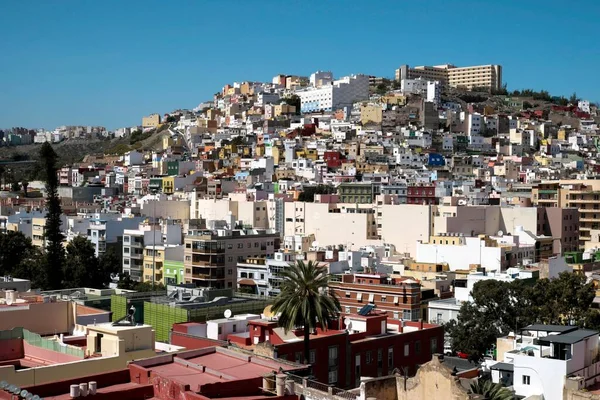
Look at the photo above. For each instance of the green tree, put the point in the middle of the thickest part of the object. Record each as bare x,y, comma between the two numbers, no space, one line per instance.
294,100
81,267
565,300
497,308
111,263
574,99
55,252
490,390
381,89
31,267
305,300
2,174
308,192
147,287
125,282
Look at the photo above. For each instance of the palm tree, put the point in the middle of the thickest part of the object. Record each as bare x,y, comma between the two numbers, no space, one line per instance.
490,390
305,300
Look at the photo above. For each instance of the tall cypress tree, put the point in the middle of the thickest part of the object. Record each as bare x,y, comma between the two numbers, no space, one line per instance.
55,252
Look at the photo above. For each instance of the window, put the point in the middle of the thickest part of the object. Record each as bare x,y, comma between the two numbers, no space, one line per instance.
220,330
333,356
229,271
418,347
406,350
390,358
369,357
234,328
313,356
434,345
526,380
347,310
333,376
379,358
299,357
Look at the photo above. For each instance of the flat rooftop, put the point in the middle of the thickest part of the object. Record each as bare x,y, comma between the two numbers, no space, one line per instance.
213,365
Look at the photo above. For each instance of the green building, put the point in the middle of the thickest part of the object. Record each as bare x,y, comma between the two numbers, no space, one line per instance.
173,272
358,192
173,168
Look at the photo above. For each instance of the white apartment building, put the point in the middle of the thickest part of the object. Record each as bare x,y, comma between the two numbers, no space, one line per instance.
341,93
413,86
253,274
461,252
134,241
321,78
434,92
541,359
219,329
474,123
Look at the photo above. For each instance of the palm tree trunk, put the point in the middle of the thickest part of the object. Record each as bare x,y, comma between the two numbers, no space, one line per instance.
306,344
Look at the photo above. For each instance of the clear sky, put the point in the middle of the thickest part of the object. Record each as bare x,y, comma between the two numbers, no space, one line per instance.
109,62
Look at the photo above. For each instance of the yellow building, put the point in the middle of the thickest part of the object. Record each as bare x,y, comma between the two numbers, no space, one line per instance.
276,153
283,109
397,100
168,184
151,121
154,256
38,227
371,113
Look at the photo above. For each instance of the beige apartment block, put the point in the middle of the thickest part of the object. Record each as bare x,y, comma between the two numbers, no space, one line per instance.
38,227
371,114
151,121
489,76
583,195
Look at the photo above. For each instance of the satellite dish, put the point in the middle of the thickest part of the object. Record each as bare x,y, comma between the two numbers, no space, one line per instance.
9,302
227,313
348,323
315,244
500,233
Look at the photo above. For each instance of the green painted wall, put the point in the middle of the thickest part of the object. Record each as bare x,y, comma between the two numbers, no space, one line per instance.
173,270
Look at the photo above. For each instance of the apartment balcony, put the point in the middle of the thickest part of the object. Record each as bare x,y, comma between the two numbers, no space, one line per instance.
584,201
589,210
196,250
588,219
547,200
206,264
206,277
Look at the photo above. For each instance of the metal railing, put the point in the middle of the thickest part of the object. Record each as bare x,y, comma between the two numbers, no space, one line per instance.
322,387
36,340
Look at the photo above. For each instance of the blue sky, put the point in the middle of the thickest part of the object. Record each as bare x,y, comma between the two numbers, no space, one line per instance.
109,62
